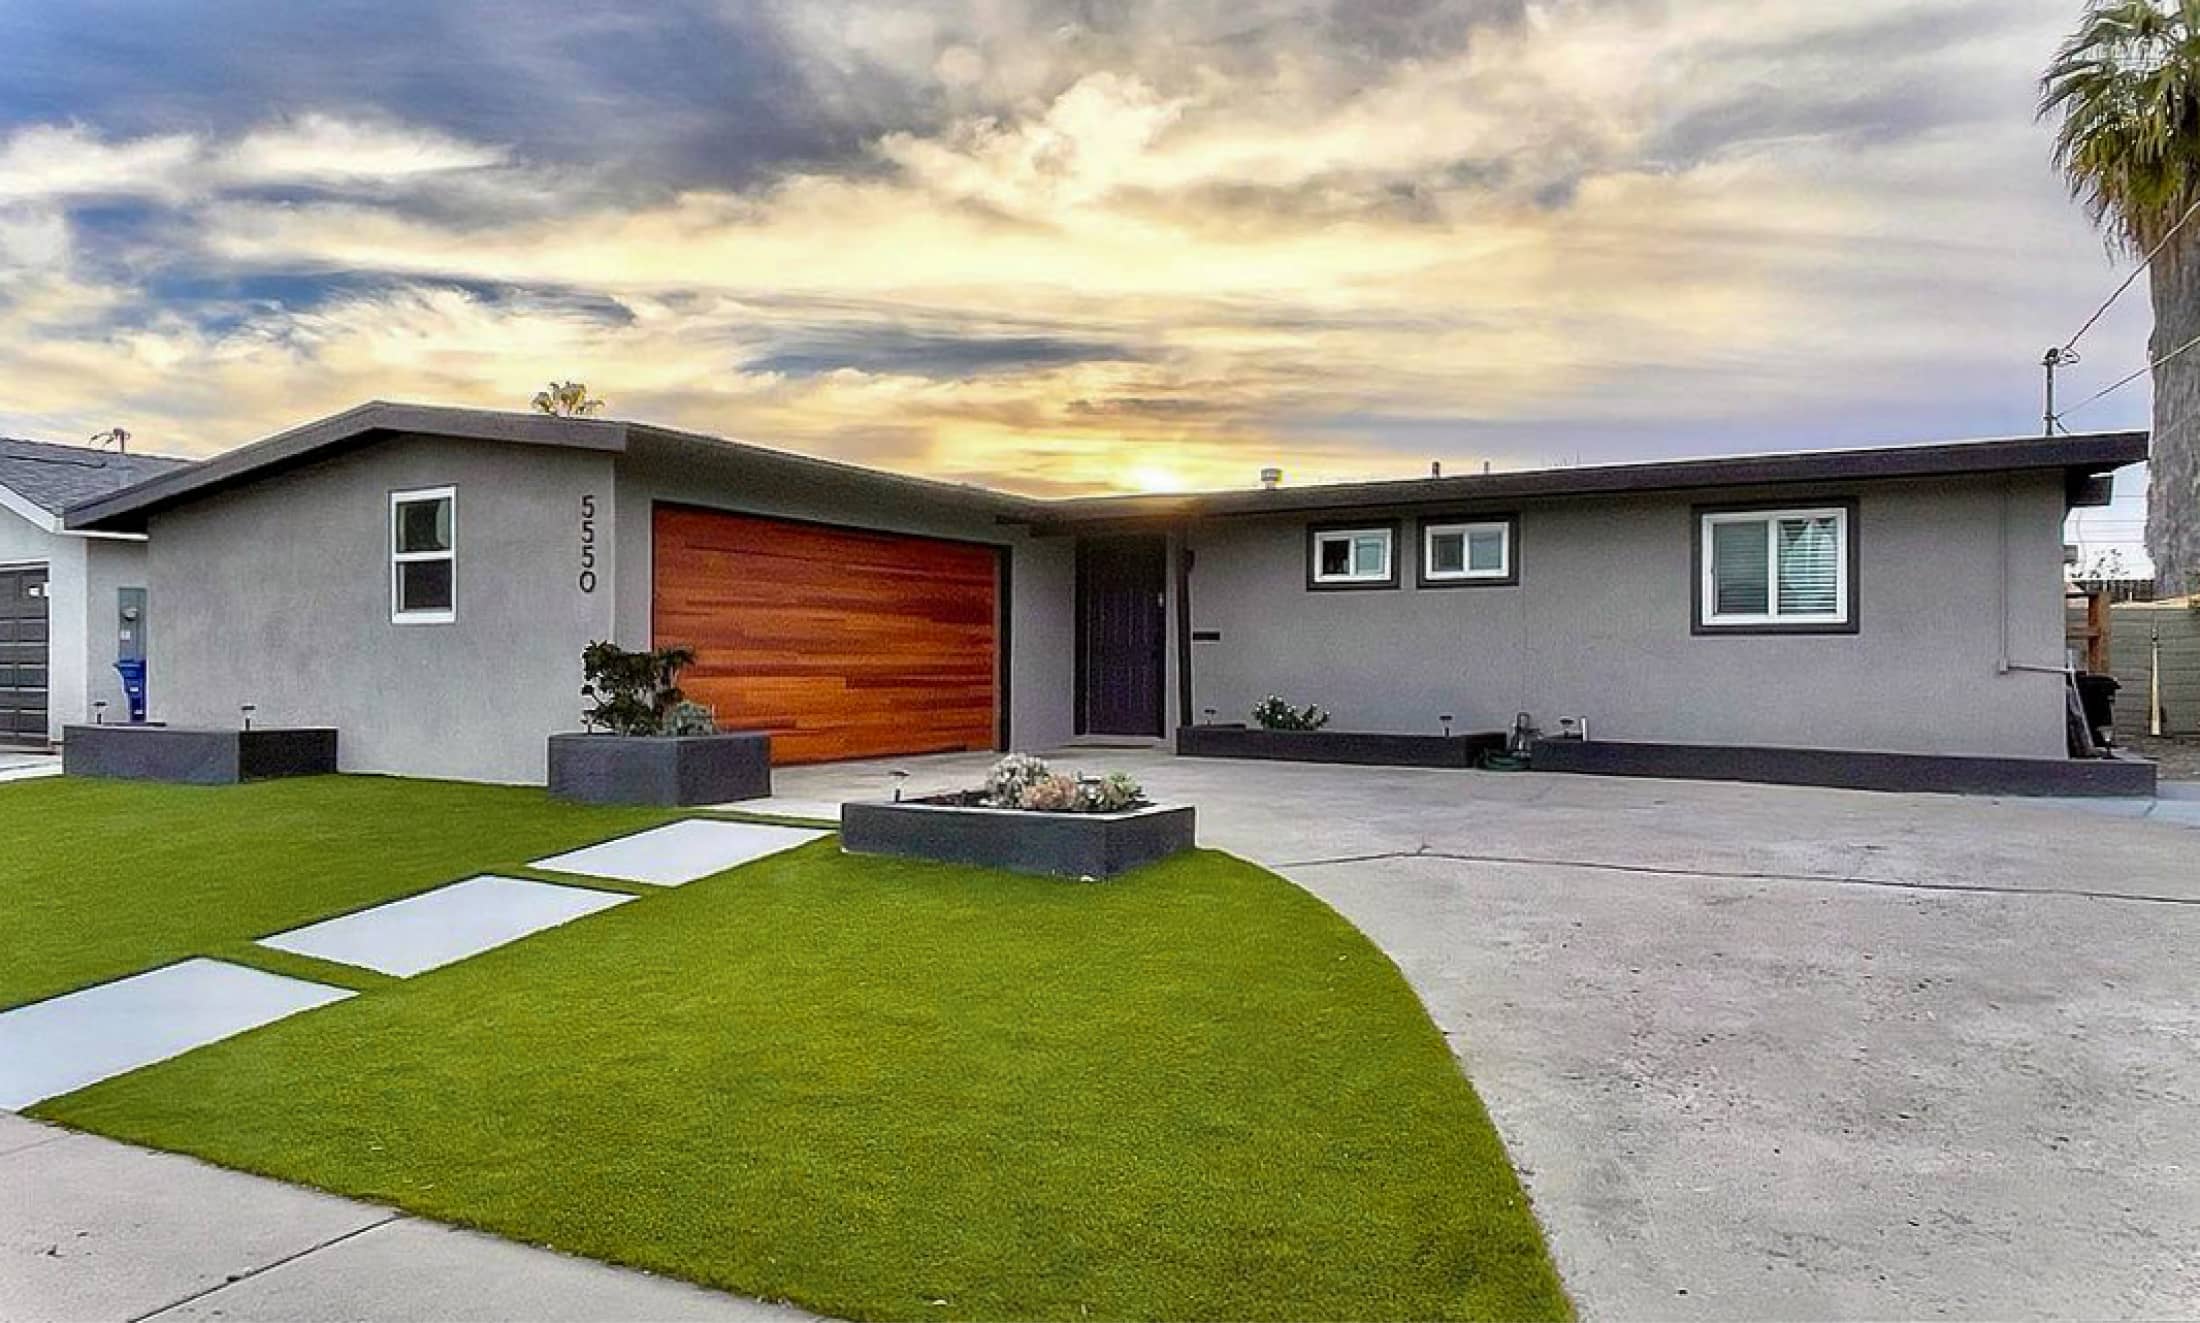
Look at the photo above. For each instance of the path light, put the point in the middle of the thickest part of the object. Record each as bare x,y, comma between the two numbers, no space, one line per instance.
899,776
248,709
1446,719
1209,713
99,712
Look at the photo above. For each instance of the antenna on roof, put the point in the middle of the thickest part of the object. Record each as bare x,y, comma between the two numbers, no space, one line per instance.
120,438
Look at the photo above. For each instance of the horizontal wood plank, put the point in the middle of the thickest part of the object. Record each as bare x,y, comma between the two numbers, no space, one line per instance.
841,643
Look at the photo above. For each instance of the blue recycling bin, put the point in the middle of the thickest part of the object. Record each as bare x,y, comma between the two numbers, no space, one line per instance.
132,671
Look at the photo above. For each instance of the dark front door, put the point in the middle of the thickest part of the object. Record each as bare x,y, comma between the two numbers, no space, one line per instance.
23,656
1121,633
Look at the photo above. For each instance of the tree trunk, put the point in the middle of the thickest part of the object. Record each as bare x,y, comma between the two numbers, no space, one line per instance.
2173,468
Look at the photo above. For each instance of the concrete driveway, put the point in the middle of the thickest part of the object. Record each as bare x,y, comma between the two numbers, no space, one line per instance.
1774,1052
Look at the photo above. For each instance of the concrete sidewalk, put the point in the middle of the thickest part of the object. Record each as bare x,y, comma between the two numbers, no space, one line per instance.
95,1230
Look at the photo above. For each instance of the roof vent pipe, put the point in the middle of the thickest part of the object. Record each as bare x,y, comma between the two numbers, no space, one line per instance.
1436,468
1270,479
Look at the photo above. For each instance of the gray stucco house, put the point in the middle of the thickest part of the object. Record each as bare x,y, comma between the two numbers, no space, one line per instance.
424,579
64,591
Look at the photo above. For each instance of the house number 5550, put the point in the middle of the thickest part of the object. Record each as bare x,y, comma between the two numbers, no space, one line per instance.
588,543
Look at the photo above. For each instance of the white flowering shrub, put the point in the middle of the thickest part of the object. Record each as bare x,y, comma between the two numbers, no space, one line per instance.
1272,713
1011,776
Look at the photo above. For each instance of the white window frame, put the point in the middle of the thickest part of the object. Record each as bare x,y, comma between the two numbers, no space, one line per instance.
1348,536
1466,529
398,615
1710,615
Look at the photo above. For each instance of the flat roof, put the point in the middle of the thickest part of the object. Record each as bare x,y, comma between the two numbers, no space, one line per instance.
2076,456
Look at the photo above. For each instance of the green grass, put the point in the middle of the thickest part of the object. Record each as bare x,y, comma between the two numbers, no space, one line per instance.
99,879
906,1091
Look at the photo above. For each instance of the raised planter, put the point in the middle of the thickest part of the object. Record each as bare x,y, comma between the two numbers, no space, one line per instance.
673,771
1019,840
196,756
1851,769
1365,748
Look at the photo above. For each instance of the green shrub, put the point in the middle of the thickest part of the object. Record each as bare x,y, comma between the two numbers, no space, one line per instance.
1272,713
633,693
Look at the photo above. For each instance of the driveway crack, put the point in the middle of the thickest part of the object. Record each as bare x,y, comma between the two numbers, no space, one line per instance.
1731,875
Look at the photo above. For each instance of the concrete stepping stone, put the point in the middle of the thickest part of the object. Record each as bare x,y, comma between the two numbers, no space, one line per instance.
450,923
679,852
59,1045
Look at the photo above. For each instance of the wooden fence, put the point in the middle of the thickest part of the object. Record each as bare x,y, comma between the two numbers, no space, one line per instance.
2153,648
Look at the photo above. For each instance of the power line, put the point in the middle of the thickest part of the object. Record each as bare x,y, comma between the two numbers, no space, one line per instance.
2118,293
2122,382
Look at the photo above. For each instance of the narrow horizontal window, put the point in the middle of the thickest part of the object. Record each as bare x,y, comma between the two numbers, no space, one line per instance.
1466,552
1353,556
1775,568
424,556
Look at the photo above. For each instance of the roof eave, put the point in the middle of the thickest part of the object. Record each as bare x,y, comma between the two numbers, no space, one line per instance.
2074,456
127,510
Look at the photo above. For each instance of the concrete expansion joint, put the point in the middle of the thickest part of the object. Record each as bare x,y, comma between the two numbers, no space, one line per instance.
1729,875
250,1273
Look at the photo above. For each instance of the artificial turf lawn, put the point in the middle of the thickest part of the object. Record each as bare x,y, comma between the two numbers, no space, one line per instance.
99,879
886,1089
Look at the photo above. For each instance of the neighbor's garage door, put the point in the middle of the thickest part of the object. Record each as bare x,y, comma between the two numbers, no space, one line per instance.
23,656
841,643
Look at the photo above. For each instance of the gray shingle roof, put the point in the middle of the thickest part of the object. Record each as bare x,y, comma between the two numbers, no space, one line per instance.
54,477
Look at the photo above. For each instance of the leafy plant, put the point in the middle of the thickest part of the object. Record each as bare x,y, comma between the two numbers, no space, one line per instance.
1272,713
634,693
1006,782
1021,781
566,399
1113,793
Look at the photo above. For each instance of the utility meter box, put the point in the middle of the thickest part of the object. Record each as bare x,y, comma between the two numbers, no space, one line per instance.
130,624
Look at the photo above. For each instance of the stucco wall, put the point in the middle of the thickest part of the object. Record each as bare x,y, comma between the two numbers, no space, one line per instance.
278,594
1599,626
1041,577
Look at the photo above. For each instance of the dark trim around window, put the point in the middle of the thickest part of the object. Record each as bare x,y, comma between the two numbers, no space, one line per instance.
1511,521
1849,554
1313,548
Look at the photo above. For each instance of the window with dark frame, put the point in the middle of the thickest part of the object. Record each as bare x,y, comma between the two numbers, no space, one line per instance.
1348,556
1773,569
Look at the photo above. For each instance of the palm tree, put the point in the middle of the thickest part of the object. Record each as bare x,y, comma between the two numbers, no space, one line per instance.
2127,86
566,399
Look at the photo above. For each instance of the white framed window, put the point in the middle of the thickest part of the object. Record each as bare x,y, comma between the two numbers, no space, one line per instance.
424,556
1358,557
1467,551
1776,569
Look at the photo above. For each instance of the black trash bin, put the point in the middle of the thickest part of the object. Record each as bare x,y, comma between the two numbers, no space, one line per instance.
2097,695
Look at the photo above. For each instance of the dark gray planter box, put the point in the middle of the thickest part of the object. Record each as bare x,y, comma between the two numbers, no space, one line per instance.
673,771
1363,748
1052,844
1850,769
195,756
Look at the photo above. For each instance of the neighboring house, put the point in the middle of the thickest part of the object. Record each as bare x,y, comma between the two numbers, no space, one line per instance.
424,579
62,590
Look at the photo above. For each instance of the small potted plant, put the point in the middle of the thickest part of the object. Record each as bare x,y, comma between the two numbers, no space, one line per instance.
646,743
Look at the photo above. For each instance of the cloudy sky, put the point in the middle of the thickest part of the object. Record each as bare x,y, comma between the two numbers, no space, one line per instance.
1058,245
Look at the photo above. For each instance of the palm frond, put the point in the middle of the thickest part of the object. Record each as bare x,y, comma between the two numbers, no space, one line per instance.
2126,87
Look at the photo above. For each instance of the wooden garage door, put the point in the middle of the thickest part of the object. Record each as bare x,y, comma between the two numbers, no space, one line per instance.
23,651
841,643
